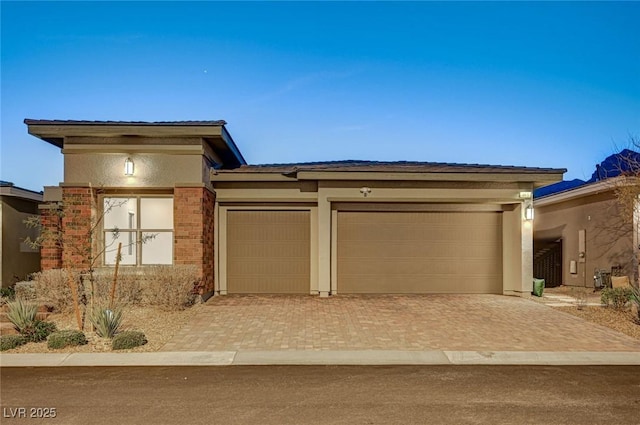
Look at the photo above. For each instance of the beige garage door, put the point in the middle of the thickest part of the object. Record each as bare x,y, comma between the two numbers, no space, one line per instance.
268,252
419,252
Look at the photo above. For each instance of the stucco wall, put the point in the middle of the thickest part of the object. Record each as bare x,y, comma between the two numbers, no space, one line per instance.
609,240
152,170
18,259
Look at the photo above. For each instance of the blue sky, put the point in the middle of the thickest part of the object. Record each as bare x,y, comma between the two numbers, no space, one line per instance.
534,84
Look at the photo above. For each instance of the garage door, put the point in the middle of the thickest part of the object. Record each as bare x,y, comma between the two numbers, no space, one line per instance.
268,252
419,252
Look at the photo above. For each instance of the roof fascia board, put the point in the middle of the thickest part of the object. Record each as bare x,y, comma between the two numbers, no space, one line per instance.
228,140
536,178
221,176
17,192
579,192
470,176
45,131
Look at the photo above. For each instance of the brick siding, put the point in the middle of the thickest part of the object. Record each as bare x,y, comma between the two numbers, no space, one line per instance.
193,233
76,226
51,251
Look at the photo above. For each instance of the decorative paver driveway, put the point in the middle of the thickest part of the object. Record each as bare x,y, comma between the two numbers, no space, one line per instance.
391,322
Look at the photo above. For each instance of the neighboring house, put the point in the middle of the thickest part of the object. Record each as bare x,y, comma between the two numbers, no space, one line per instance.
17,259
315,228
579,229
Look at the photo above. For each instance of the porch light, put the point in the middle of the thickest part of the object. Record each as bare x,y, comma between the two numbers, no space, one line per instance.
528,212
128,167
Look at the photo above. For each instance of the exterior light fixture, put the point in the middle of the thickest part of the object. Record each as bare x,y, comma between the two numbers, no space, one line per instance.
528,212
365,191
128,167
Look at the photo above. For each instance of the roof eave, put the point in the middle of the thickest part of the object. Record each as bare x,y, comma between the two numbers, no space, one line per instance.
537,179
579,192
54,132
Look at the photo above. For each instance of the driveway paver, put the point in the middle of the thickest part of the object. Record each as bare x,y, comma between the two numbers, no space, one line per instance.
390,322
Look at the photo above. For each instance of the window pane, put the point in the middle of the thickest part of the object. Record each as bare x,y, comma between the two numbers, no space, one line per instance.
120,213
159,249
128,252
156,213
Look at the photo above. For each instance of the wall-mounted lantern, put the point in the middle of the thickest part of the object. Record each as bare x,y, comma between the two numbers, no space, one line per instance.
365,191
528,212
128,167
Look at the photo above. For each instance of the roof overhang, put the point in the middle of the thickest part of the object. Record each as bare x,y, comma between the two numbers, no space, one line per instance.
18,192
214,132
586,190
536,179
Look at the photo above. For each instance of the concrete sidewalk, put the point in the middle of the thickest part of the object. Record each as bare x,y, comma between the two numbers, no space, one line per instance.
359,357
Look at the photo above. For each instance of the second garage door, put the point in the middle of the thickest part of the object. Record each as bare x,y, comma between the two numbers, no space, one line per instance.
419,252
268,252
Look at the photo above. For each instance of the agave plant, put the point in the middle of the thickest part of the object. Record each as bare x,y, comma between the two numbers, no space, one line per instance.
22,314
106,321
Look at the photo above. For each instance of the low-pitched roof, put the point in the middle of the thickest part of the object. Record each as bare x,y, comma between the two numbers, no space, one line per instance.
217,123
10,189
391,166
625,163
214,131
389,171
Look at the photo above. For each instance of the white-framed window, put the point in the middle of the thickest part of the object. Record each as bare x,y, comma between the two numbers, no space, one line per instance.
144,226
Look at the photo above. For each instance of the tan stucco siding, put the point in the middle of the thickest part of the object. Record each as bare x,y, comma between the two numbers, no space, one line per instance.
17,258
609,239
152,170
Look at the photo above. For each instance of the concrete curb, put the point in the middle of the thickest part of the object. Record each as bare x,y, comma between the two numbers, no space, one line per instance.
359,357
363,357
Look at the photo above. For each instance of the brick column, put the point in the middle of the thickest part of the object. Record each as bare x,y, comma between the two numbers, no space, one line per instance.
193,232
51,250
77,205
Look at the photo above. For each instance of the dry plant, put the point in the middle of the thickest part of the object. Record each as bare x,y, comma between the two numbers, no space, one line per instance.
625,182
127,292
170,287
80,277
52,289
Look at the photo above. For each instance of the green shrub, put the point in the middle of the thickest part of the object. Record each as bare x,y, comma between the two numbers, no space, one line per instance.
39,331
8,292
107,322
170,287
616,297
22,314
8,342
128,339
66,338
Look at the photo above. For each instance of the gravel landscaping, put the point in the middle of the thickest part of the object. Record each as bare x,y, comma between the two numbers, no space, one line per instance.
621,321
159,327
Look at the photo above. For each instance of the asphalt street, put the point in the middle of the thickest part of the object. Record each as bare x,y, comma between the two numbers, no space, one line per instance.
322,395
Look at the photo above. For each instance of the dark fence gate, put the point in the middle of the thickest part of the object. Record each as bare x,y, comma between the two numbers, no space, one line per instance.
547,264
